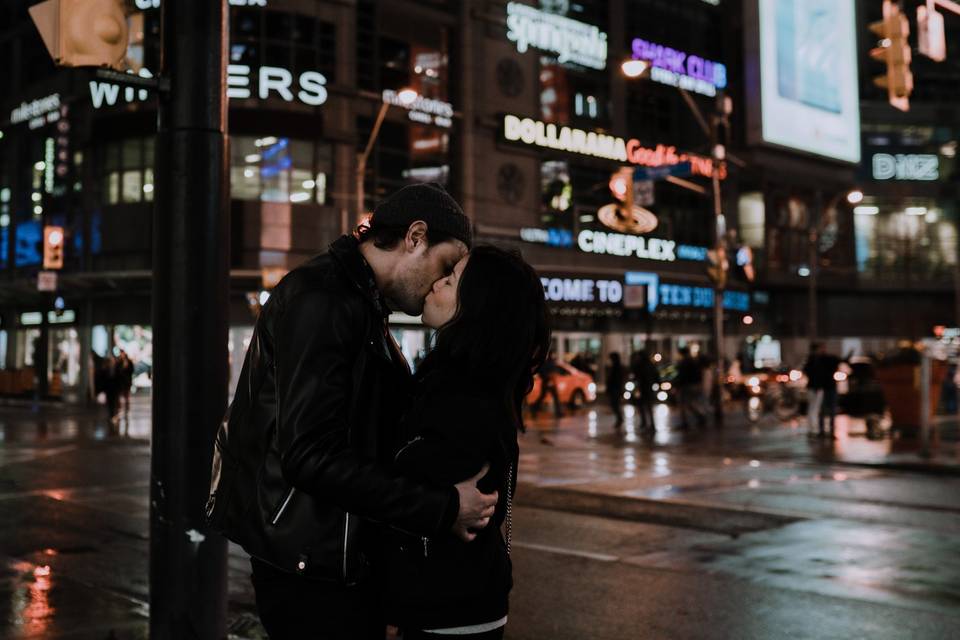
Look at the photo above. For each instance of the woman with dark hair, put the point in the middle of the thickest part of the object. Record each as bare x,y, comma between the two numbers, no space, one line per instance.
492,335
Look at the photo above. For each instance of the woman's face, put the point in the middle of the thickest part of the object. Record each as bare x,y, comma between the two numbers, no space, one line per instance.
441,303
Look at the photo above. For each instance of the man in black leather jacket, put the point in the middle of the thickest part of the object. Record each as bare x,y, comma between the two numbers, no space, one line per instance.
302,461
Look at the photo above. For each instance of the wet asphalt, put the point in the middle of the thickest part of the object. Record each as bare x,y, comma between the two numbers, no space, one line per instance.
752,531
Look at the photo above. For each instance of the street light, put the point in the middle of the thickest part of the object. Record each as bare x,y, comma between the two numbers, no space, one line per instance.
818,225
634,68
718,156
406,97
855,196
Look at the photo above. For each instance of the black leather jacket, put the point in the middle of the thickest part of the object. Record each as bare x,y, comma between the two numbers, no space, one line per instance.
442,581
303,455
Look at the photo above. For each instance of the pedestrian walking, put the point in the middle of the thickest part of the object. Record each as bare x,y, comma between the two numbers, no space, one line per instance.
124,383
491,319
645,377
111,387
820,370
303,461
615,388
548,372
689,383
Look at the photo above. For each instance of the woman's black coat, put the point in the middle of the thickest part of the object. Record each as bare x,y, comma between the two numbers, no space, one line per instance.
456,424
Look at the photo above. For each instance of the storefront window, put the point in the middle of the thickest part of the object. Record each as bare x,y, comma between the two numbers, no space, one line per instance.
127,171
917,242
274,169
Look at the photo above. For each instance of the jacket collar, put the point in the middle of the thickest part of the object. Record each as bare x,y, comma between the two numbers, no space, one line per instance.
346,251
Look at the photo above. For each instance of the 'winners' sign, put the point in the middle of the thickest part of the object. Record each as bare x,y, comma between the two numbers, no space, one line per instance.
243,82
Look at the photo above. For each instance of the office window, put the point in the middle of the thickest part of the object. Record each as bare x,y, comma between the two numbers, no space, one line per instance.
278,169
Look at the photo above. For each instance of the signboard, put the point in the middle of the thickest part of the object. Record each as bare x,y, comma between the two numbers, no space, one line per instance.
46,281
618,244
808,83
583,297
587,290
571,40
551,237
669,294
537,133
37,112
905,166
423,110
243,82
679,69
680,170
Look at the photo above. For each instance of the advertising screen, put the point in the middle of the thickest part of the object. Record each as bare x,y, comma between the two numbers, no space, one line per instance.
808,77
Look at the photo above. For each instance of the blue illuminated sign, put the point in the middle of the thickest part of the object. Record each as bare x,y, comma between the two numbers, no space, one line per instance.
550,237
664,294
690,252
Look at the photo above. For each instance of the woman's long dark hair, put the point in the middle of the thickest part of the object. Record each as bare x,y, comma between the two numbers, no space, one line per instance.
499,335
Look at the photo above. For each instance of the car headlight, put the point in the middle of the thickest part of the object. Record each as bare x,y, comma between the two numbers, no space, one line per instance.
630,386
666,386
592,387
753,382
662,396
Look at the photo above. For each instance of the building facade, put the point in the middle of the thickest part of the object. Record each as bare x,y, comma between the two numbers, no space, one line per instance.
524,114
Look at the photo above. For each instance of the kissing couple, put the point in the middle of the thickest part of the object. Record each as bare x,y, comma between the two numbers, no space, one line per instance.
365,495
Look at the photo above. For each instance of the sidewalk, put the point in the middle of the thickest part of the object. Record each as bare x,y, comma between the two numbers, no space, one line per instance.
767,439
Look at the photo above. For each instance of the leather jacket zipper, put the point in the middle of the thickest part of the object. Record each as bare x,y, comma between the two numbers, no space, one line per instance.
346,529
426,543
406,446
283,506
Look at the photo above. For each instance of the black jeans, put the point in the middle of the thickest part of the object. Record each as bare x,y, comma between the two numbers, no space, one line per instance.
293,607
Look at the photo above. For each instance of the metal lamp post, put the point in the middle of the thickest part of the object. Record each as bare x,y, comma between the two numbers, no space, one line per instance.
407,97
817,223
718,156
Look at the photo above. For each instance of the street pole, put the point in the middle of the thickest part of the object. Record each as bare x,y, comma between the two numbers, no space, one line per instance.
720,232
191,283
362,160
813,258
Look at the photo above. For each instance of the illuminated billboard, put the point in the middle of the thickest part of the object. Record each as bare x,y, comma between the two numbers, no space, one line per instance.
806,77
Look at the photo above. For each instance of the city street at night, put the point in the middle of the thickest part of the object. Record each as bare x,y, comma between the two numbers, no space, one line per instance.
523,319
752,532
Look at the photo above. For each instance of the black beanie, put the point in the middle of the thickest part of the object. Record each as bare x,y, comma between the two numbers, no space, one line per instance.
426,201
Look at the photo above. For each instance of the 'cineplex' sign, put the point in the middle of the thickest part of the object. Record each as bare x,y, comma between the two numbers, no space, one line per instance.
536,133
618,244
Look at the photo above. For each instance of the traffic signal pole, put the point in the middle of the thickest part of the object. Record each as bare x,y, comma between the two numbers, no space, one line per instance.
191,283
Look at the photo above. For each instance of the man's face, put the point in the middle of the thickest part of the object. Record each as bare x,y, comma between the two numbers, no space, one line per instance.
420,268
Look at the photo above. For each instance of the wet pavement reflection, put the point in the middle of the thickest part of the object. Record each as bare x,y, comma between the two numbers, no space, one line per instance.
753,518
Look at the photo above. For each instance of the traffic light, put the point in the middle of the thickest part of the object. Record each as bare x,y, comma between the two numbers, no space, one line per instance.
83,33
718,265
52,247
931,35
894,50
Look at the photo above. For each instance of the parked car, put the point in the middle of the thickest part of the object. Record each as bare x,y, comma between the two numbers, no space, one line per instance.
574,387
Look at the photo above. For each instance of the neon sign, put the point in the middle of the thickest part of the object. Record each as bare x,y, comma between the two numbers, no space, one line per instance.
663,294
571,40
310,89
38,112
679,69
600,145
582,290
618,244
906,166
423,110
